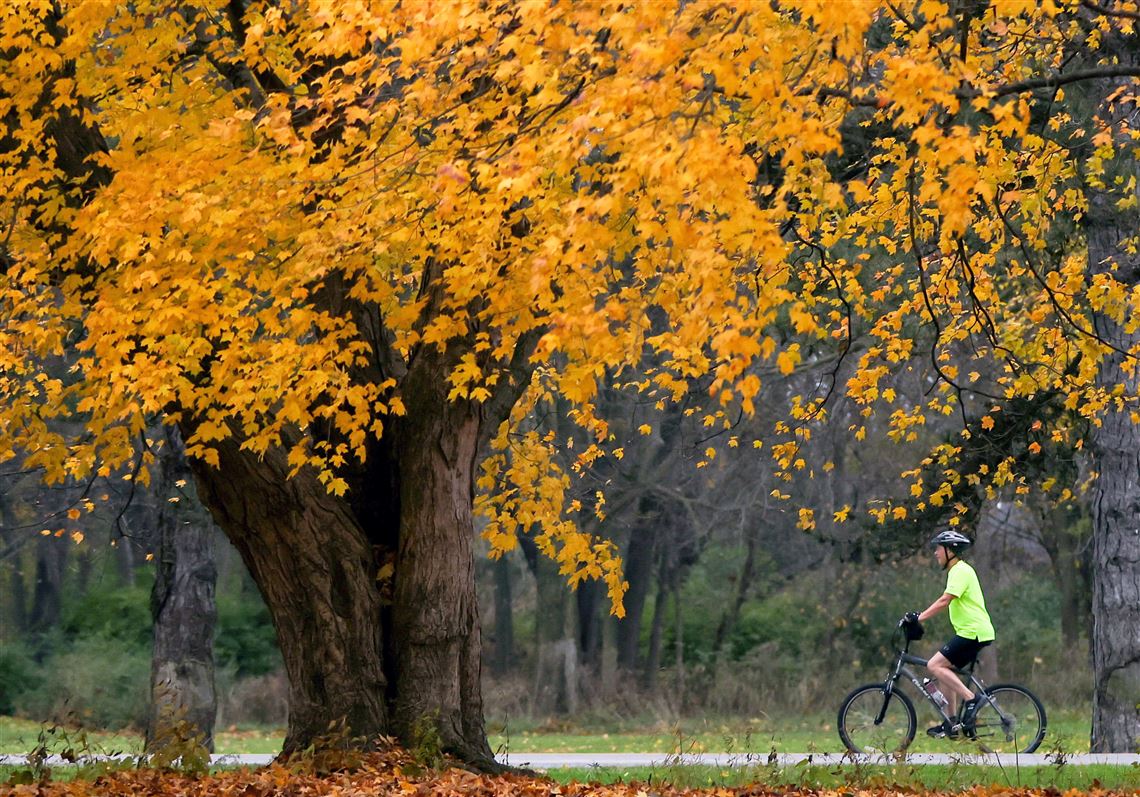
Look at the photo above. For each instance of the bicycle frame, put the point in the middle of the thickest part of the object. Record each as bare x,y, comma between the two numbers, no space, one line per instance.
903,657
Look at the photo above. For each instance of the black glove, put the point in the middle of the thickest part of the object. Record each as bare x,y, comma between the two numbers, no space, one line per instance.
912,626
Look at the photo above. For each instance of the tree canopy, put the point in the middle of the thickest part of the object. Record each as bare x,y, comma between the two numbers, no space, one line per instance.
275,224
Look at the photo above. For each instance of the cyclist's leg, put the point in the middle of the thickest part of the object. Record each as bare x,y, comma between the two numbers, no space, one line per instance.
958,652
971,708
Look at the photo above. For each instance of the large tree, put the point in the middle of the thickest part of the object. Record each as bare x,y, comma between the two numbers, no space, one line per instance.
1112,228
346,249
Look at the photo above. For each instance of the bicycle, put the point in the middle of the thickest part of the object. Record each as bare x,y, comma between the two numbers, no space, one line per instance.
880,718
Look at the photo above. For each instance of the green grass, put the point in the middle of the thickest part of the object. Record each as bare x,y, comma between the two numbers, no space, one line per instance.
21,735
1068,732
940,778
936,778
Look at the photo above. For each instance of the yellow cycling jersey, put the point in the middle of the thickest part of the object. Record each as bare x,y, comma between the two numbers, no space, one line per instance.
968,612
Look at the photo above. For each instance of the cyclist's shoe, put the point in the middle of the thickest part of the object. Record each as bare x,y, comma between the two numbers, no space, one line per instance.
944,730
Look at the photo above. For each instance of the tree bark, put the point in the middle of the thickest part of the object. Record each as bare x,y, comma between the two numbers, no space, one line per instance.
317,574
1116,563
317,568
1115,442
1116,584
435,615
183,694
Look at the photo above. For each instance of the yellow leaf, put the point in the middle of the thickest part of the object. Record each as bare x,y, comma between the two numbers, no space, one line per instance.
786,361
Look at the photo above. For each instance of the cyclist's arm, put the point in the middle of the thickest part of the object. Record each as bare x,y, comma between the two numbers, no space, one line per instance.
938,605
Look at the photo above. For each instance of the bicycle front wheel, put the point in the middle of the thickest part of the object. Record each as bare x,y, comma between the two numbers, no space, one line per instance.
872,720
1011,721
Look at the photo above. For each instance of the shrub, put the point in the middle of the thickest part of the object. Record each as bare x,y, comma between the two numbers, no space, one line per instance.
257,700
18,675
118,613
244,641
97,682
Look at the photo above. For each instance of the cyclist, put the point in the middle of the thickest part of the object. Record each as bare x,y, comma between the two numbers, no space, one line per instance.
972,627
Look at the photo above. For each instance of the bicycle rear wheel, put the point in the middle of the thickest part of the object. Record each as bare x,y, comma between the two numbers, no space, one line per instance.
1013,723
874,721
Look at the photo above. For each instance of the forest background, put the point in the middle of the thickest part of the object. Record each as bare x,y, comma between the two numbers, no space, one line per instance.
733,612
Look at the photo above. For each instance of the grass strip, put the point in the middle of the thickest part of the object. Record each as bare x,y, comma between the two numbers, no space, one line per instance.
918,777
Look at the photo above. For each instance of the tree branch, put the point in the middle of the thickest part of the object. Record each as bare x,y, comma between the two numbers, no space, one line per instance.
1053,81
235,11
1109,11
511,386
972,92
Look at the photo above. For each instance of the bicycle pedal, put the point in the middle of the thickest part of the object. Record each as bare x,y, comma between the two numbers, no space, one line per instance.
945,731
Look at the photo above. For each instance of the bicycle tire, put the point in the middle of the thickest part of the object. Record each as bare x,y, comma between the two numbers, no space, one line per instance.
858,729
1020,730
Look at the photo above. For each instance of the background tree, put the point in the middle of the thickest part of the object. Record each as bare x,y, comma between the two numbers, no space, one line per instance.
183,691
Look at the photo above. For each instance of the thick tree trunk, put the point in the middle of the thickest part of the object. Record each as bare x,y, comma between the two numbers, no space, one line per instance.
435,615
1116,569
1116,585
317,574
316,566
183,694
1115,444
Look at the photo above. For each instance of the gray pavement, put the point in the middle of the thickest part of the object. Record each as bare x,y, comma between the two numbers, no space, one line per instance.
544,761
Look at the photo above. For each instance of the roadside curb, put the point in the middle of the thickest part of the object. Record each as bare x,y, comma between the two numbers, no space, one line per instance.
727,760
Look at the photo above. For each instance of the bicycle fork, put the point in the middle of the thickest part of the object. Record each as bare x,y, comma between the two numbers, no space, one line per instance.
886,701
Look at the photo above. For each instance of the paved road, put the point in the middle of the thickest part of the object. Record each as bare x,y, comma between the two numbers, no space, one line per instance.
543,761
555,760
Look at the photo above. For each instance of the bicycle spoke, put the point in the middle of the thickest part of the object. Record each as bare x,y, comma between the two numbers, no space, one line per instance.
1013,723
891,735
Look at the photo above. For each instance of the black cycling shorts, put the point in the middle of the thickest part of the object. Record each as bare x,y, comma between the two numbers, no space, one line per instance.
961,651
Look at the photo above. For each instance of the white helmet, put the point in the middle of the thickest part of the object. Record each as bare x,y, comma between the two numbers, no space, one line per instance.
956,541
